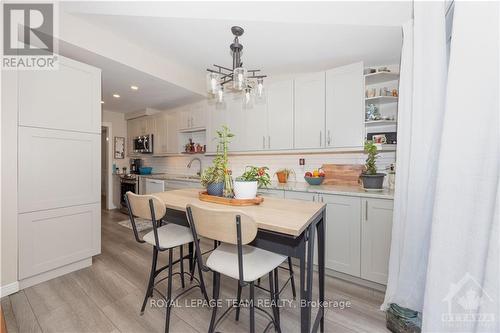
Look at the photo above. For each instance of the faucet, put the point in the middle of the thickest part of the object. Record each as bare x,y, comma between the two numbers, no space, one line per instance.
195,159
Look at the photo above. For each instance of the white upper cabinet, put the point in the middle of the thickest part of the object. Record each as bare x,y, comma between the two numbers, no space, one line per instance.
193,116
235,120
376,229
309,129
172,135
216,119
67,98
345,106
255,123
160,135
279,115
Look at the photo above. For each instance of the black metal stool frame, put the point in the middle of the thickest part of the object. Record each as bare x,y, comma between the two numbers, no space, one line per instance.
273,288
156,271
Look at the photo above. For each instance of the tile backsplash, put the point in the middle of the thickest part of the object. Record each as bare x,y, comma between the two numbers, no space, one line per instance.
178,164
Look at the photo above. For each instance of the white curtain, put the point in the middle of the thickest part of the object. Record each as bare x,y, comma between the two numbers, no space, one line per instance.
462,291
420,118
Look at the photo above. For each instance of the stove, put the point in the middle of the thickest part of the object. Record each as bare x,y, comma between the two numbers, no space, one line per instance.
128,182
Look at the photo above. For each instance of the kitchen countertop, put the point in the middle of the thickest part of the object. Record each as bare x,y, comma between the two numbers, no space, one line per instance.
166,176
331,189
295,186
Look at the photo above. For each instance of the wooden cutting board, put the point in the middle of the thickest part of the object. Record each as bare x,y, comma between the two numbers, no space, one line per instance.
342,174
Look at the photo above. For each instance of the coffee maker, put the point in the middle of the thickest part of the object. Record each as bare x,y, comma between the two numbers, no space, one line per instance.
135,164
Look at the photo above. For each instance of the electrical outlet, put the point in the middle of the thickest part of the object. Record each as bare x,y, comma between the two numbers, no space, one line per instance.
302,161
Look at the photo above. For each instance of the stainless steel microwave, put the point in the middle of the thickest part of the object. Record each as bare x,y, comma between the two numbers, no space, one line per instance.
143,144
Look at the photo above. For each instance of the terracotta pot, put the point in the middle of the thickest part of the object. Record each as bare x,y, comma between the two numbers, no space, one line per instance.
282,177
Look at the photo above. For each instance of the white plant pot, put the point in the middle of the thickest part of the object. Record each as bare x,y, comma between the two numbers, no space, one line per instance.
245,189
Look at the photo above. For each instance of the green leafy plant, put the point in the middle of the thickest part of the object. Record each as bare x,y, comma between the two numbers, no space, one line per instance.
259,174
224,136
370,163
212,175
219,172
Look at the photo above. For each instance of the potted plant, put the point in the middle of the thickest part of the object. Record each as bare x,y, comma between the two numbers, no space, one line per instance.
212,178
245,186
372,180
217,178
283,174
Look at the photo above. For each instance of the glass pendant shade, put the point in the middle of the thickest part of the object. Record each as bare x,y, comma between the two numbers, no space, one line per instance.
248,99
260,88
239,78
220,94
213,83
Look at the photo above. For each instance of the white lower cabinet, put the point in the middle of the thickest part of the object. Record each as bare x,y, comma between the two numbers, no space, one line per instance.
343,233
271,193
53,238
358,234
307,196
376,229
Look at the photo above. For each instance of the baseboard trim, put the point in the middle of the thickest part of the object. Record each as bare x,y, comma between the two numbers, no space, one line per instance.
9,289
42,277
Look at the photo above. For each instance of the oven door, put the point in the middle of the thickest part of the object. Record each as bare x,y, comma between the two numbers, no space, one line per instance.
125,186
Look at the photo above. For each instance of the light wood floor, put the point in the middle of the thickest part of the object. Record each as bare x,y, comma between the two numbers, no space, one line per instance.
107,296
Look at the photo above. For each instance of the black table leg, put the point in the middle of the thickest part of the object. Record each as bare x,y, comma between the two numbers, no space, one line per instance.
320,227
302,286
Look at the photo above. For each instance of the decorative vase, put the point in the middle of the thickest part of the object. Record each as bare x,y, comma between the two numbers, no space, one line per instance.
282,177
215,189
373,182
245,189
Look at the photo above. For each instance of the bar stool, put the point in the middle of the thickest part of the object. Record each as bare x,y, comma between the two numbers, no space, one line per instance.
163,237
234,257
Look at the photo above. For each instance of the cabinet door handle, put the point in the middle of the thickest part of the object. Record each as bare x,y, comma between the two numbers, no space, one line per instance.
269,141
329,138
366,210
263,142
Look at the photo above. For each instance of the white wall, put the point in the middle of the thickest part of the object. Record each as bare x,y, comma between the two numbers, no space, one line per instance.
119,128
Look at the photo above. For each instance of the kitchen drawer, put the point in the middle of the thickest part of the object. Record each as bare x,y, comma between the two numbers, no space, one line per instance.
307,196
272,193
53,238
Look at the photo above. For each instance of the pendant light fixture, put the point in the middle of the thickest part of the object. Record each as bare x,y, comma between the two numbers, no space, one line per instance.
238,78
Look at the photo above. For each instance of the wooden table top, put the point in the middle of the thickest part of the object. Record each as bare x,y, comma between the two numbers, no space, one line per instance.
286,216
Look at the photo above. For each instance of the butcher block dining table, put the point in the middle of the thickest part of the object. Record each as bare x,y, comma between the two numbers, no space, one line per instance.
288,227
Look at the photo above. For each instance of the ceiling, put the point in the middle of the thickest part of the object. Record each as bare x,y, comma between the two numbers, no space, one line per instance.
117,79
276,48
277,39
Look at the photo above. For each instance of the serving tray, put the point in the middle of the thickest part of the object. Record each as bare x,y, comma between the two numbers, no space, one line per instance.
204,196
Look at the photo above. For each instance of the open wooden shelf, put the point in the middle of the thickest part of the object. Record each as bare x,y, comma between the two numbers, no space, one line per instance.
381,100
379,77
380,122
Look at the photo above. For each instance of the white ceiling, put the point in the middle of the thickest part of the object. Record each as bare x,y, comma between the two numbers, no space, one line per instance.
276,48
280,38
117,79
